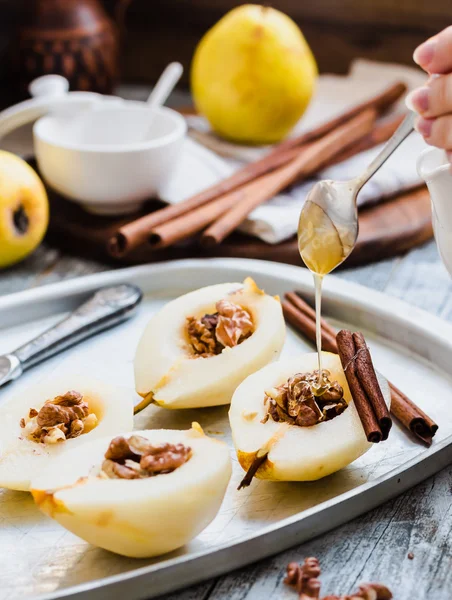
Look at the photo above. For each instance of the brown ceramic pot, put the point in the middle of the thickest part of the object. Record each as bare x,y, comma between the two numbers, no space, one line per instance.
73,38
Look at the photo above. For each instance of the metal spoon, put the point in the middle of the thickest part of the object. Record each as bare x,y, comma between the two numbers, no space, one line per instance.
328,226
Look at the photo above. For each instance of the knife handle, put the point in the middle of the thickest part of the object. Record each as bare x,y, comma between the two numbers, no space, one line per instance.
107,307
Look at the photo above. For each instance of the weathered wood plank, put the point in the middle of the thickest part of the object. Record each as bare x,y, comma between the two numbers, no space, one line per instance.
45,265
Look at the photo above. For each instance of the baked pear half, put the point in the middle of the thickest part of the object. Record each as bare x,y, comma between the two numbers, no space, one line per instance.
289,434
141,494
41,423
201,346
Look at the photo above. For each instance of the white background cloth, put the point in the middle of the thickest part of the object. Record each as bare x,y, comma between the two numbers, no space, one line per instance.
277,219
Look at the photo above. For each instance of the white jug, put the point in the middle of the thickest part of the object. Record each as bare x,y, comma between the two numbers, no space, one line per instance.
436,170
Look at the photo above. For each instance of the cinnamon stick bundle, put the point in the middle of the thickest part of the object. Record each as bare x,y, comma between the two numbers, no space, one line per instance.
230,209
364,386
302,317
134,234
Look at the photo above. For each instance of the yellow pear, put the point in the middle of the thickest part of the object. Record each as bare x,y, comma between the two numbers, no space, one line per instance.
296,453
24,210
167,371
22,456
140,517
253,75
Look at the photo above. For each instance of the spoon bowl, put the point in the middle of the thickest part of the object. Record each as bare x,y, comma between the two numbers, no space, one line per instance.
328,225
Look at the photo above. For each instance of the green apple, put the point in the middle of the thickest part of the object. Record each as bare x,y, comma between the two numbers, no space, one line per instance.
24,209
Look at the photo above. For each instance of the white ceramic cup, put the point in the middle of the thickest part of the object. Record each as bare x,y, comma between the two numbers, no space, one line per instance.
436,170
98,157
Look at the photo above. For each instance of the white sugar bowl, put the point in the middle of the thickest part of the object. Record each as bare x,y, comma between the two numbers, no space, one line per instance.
108,158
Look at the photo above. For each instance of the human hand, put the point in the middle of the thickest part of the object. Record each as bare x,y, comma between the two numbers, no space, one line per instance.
433,101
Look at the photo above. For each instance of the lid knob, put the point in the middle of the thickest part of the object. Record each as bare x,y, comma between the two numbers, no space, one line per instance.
49,85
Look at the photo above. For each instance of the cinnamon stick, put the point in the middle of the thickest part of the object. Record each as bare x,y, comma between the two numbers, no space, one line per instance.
381,102
305,322
379,134
366,374
309,161
348,353
411,416
189,224
414,419
134,234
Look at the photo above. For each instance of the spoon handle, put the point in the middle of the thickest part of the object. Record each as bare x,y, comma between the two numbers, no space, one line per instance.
165,85
402,132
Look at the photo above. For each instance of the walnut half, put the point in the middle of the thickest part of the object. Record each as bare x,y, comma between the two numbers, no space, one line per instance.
228,327
137,458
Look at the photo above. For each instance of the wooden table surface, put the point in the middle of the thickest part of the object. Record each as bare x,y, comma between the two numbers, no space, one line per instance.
373,547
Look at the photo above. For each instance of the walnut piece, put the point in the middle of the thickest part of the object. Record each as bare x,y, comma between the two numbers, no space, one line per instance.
305,580
201,337
228,327
301,401
137,458
59,419
367,591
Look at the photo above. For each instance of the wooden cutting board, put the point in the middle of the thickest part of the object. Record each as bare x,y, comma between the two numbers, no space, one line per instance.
386,230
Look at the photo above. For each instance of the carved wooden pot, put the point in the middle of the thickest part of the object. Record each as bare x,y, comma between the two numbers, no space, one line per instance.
73,38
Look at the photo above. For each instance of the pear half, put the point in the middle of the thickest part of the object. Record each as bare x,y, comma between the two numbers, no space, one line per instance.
167,373
21,458
296,453
140,517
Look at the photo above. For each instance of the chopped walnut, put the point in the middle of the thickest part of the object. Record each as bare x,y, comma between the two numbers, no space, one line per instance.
301,402
59,419
201,337
53,436
228,327
137,458
367,591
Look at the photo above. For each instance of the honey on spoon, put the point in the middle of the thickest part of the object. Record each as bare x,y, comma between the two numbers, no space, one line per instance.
328,225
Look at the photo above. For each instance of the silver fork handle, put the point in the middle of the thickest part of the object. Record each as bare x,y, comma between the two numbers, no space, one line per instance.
105,308
401,133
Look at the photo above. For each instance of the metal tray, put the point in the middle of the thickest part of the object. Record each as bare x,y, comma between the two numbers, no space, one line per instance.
39,559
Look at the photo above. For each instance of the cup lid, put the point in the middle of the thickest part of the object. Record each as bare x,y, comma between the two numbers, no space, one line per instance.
49,93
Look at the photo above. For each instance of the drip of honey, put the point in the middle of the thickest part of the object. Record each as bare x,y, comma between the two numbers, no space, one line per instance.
326,236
